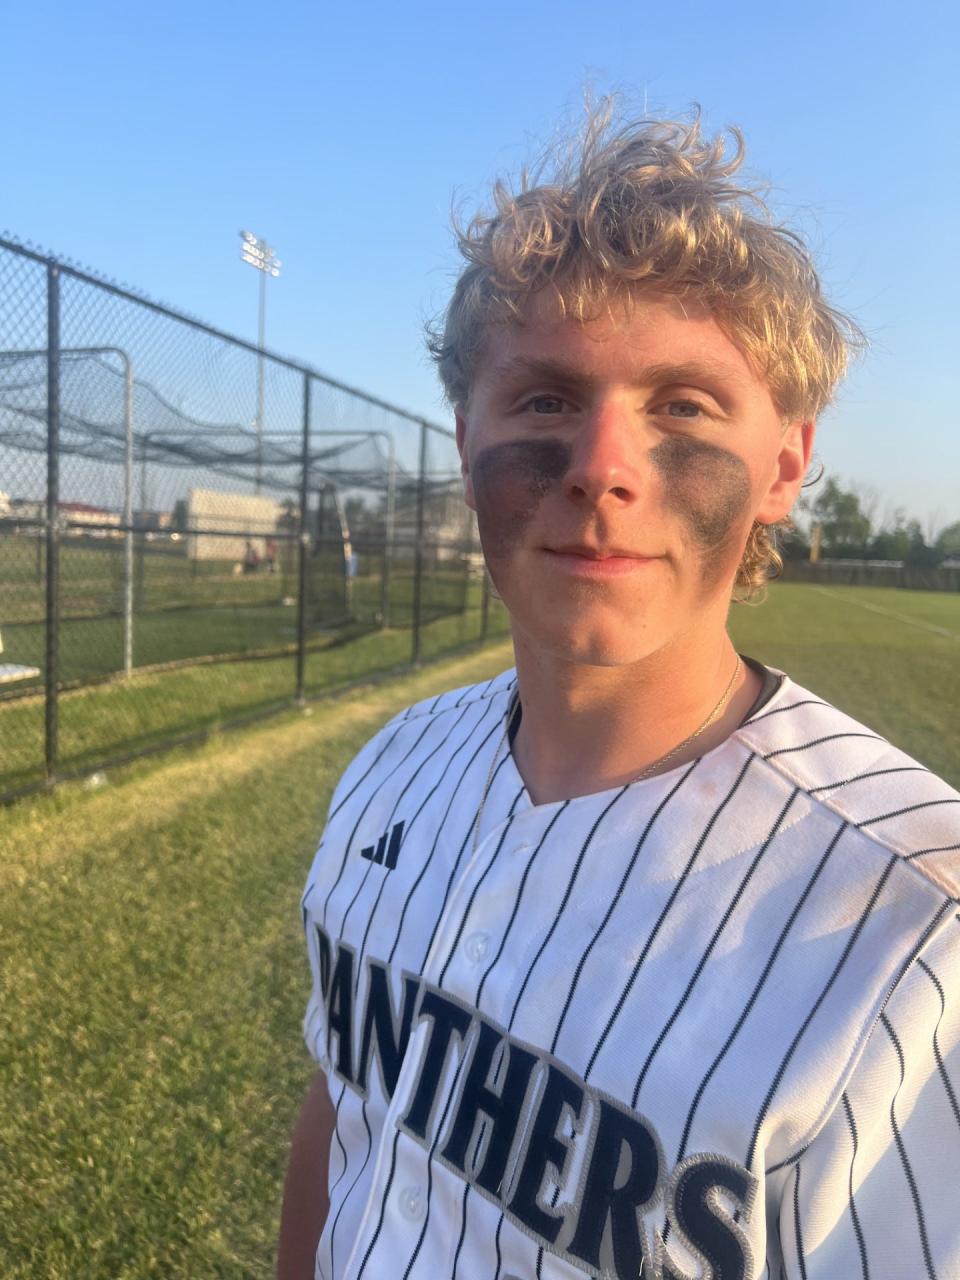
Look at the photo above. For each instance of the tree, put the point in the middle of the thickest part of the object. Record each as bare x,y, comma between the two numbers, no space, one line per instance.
918,553
948,542
892,542
845,526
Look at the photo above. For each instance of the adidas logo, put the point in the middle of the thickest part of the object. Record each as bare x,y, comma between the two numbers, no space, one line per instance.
384,853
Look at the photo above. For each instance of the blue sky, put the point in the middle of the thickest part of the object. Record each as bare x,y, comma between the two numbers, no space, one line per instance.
139,139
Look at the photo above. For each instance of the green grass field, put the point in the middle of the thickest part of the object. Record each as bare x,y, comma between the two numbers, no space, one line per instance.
890,658
151,990
103,721
152,977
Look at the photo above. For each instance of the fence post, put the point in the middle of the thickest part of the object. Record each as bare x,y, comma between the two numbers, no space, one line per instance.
388,523
52,674
303,541
128,519
418,549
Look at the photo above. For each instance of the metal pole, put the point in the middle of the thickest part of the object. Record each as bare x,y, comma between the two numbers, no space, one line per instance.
53,515
261,330
143,470
302,547
128,521
346,545
388,523
418,549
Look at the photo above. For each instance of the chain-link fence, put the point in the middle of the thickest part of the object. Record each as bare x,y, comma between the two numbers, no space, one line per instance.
179,553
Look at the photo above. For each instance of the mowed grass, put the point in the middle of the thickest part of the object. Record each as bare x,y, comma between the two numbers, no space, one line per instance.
152,974
109,720
222,616
152,984
889,658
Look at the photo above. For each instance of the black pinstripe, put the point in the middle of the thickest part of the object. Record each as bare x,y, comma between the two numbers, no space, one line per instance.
452,1090
398,729
404,720
791,1159
519,898
363,1106
861,777
451,879
850,943
778,711
818,742
854,1216
343,1152
936,1043
904,1159
808,889
943,848
370,798
496,1245
796,1225
433,1147
463,1231
344,1201
362,949
473,897
409,827
697,849
701,964
383,1208
734,906
663,915
614,902
566,898
436,839
910,808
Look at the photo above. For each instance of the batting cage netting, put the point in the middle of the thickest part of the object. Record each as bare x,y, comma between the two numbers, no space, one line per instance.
195,531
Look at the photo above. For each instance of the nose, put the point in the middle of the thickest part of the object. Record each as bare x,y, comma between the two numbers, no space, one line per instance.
604,467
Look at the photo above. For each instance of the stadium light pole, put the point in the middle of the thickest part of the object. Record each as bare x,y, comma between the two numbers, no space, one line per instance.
255,251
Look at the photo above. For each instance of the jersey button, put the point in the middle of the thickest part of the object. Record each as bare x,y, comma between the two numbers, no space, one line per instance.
412,1203
476,946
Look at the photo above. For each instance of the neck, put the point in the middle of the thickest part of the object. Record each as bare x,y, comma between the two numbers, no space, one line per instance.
588,728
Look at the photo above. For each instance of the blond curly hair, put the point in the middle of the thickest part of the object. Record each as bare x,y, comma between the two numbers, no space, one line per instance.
650,207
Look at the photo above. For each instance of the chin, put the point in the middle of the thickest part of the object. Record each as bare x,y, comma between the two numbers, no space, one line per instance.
586,646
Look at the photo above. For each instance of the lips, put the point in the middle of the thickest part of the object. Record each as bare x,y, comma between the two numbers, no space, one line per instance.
597,553
582,562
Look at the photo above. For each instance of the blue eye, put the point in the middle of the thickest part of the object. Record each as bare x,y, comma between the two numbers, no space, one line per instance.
547,404
683,409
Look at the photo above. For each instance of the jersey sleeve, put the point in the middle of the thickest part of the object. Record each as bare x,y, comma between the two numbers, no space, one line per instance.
875,1194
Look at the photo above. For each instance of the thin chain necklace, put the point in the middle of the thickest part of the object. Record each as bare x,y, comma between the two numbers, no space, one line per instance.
717,710
644,773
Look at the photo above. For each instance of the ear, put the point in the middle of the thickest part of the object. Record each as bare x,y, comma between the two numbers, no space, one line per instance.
465,461
790,467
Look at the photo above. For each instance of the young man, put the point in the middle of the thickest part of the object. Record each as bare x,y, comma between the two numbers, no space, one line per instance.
638,960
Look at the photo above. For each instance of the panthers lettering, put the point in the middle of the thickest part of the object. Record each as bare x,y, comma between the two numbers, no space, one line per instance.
701,1027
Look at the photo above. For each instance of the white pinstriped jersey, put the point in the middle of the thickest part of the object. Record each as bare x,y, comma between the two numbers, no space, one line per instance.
704,1025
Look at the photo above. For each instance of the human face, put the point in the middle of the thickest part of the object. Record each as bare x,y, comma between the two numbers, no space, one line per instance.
616,467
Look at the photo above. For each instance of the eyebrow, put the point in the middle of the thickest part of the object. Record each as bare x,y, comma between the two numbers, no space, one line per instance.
665,374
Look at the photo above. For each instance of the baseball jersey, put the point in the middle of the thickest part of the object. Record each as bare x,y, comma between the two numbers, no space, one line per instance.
704,1025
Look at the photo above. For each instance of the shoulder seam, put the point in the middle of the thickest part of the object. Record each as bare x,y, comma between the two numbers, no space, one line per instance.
830,804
